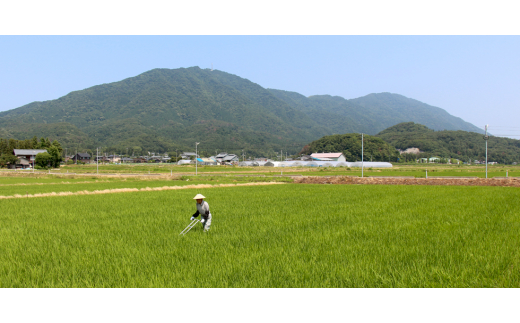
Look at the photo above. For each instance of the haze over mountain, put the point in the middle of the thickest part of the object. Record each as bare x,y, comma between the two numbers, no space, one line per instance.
167,109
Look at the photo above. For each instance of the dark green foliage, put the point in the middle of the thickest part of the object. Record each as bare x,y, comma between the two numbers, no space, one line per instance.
164,110
7,146
7,159
371,113
55,154
462,145
374,148
43,160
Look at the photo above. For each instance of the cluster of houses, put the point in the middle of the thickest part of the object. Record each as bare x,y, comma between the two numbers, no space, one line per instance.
116,159
220,159
313,160
26,158
316,160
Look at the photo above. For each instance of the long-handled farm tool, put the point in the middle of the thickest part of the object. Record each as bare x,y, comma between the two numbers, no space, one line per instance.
188,228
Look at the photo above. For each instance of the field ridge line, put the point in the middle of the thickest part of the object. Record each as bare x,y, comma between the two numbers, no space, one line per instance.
126,190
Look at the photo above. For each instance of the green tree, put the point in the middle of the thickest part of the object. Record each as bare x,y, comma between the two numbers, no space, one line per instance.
35,144
43,160
7,159
55,153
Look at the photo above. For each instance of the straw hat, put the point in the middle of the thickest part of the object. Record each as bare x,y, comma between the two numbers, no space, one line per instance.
199,196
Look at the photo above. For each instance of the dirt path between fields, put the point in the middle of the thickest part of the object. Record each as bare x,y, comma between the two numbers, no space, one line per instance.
126,190
511,181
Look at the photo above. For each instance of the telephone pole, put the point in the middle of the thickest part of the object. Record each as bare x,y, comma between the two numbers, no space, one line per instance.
486,137
362,151
196,156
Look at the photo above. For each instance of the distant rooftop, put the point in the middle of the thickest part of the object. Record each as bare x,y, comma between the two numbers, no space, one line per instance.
32,152
326,155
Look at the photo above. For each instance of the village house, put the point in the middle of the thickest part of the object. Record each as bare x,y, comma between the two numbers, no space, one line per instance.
127,160
221,156
207,161
26,157
101,159
81,158
114,158
138,160
230,159
329,157
189,155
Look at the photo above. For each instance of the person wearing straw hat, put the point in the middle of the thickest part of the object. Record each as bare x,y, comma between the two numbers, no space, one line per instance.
202,209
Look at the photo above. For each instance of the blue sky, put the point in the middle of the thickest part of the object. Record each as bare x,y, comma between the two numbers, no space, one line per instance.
473,77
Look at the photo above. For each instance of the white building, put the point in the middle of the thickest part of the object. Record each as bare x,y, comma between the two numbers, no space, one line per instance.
329,157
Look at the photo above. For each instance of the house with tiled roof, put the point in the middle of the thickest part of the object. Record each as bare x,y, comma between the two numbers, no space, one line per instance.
26,157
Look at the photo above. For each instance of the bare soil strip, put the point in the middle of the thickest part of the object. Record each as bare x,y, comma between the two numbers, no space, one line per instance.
56,183
511,181
125,190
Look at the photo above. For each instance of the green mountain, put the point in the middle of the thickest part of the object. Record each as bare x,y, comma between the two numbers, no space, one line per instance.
164,110
372,113
459,144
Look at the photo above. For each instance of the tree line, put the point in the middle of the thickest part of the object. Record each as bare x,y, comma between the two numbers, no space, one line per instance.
50,158
462,145
374,148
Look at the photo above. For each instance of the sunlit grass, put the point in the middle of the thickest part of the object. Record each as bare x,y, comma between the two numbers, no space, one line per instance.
266,236
120,183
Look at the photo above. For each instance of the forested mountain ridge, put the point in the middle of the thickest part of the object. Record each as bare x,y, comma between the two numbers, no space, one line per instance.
372,113
167,109
462,145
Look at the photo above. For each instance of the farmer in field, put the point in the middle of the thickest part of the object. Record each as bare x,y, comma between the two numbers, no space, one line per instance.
203,210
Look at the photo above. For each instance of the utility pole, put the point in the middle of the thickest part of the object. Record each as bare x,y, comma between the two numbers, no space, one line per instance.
97,159
362,151
486,137
196,155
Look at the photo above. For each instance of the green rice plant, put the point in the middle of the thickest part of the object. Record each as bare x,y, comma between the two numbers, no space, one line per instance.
125,183
290,235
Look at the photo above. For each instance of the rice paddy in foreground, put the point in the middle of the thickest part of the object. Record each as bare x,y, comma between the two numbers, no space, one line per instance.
289,235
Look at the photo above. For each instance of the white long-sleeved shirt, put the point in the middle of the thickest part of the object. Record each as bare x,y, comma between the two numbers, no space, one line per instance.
202,208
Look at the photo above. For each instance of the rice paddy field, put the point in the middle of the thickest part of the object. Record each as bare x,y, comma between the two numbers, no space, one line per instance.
416,170
285,235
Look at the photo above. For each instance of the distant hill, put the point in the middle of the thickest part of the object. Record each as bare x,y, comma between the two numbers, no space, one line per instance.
459,144
164,110
374,148
372,113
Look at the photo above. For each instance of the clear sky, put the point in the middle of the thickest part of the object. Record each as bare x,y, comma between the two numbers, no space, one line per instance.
476,78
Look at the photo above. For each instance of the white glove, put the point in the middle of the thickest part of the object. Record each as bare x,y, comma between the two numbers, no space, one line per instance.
202,221
192,218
